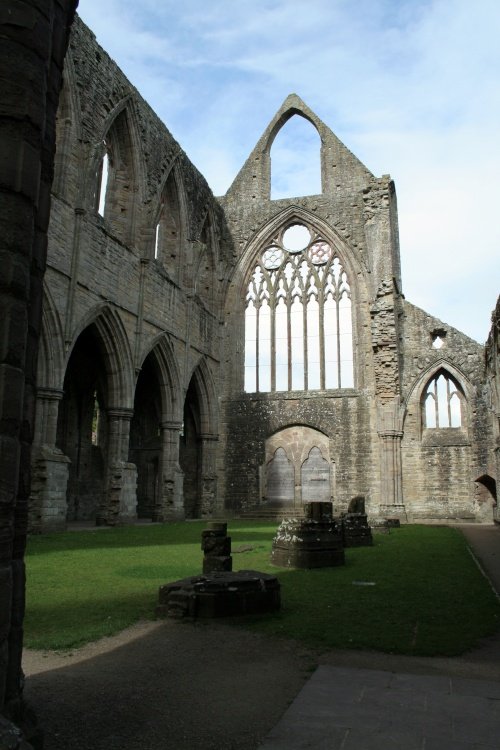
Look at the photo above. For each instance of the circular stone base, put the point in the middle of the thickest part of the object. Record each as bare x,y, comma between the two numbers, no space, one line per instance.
220,594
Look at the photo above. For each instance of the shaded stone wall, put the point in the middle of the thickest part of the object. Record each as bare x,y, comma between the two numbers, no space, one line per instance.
34,38
111,283
490,481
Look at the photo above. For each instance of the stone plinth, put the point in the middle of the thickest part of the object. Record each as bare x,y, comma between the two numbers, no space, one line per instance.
220,594
308,544
356,531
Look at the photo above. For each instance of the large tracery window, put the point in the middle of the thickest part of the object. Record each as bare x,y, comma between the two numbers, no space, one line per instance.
298,324
442,402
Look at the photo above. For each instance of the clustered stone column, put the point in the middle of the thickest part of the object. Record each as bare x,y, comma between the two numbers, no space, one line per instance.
208,475
34,40
119,499
170,505
216,546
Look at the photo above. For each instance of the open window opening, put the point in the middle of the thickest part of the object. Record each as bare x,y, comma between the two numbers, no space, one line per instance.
443,402
102,181
295,160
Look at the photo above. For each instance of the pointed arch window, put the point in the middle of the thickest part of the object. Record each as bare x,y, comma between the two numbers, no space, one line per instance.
102,180
443,402
298,321
295,159
167,233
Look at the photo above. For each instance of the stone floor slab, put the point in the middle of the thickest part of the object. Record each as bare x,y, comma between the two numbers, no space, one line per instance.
360,709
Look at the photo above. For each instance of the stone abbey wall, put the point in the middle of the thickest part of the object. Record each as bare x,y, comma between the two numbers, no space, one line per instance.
143,409
131,322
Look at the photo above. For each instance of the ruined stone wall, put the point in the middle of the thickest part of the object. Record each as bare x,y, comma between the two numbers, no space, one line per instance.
355,211
492,361
108,274
442,465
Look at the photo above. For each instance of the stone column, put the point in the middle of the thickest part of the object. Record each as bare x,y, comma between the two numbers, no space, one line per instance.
119,502
391,475
50,467
34,40
391,471
170,501
208,476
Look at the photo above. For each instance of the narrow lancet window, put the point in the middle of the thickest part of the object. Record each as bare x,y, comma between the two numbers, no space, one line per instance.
102,182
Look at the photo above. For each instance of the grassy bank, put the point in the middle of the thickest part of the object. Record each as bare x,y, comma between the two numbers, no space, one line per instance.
416,591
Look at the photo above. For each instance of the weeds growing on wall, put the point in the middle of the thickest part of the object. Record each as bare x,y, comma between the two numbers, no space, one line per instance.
416,591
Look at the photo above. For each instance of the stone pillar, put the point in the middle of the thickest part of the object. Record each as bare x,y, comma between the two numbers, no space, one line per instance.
496,509
170,501
50,468
391,475
208,476
34,41
391,470
119,502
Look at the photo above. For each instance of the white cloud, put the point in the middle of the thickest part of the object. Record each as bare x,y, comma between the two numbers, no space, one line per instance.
412,87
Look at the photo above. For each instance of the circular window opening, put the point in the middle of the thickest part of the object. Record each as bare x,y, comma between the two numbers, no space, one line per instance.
320,253
272,258
296,238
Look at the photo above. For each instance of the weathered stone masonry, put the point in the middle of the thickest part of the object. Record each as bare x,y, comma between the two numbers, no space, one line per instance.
142,409
139,386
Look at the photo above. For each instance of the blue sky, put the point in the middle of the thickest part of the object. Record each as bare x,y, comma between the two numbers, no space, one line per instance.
412,87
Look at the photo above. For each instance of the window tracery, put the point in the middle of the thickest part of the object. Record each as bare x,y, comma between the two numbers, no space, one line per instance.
298,321
442,402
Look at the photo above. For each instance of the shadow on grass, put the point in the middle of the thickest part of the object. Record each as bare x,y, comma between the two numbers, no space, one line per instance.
143,536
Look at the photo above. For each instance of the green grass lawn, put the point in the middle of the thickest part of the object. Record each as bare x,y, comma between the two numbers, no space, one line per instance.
429,597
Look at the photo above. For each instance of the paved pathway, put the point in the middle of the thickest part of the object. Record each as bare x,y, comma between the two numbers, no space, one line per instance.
343,708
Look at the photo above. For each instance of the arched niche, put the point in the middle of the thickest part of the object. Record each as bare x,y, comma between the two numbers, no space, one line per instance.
303,452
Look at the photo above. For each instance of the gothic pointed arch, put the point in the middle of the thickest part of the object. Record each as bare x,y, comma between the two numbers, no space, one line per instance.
441,393
167,372
298,307
50,366
295,157
116,173
202,382
116,352
298,466
170,222
204,263
68,176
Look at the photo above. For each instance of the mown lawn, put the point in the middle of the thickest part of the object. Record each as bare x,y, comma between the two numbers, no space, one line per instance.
428,596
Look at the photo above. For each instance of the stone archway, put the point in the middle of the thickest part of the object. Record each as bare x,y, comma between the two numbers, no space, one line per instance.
297,468
485,498
145,438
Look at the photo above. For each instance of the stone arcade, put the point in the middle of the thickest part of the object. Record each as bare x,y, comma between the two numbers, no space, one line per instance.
200,356
204,356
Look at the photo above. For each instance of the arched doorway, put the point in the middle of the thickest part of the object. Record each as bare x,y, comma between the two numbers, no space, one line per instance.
145,438
82,428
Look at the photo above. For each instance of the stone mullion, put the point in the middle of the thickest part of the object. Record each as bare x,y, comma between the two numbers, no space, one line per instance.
304,328
289,339
272,307
321,337
337,324
257,343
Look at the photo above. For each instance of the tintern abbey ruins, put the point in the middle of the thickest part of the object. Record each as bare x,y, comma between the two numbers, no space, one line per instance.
165,354
204,356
